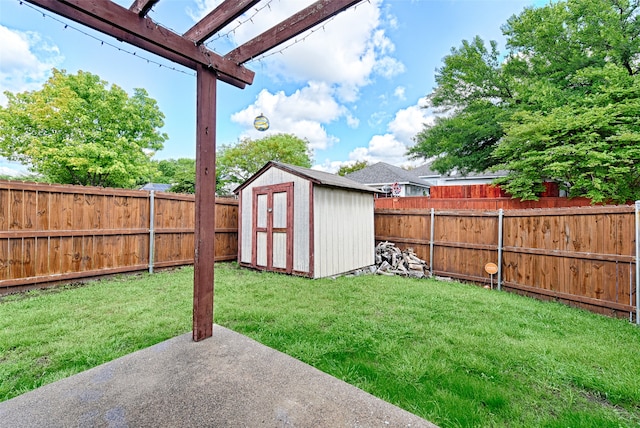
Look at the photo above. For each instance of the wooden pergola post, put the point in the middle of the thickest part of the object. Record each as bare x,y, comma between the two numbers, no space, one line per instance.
133,26
205,203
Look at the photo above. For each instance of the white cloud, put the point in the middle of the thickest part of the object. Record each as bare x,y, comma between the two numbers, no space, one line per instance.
345,51
392,147
384,146
303,113
26,61
331,166
352,121
389,67
399,93
334,62
377,118
408,122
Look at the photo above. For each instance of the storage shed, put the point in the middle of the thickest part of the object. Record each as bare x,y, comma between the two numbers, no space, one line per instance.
305,222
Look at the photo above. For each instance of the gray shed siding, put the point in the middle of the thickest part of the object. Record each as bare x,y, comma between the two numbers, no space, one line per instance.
343,231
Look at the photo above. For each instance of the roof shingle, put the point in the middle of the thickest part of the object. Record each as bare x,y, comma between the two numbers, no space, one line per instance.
383,173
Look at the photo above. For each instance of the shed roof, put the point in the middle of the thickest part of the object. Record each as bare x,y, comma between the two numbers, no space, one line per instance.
317,177
384,173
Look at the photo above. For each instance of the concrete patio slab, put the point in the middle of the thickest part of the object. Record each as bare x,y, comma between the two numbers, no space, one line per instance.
228,380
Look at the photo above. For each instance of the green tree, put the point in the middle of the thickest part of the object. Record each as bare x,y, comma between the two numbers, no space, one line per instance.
474,92
76,130
590,145
464,141
236,163
348,169
562,105
180,173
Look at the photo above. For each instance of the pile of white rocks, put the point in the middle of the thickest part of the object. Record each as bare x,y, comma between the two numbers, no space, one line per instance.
390,260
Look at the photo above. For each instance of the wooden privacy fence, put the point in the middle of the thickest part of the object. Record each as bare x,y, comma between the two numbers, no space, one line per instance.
477,203
53,233
586,257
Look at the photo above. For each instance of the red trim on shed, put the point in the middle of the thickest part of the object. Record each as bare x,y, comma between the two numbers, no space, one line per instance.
312,232
268,229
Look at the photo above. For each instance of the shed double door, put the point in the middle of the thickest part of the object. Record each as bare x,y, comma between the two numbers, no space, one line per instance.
273,227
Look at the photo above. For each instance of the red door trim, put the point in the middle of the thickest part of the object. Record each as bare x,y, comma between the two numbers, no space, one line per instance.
312,233
269,190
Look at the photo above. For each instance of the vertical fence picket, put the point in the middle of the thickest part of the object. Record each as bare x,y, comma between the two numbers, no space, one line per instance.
637,262
433,216
152,221
500,242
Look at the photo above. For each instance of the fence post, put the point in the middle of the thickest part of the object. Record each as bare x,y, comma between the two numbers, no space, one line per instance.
433,216
500,221
152,222
638,262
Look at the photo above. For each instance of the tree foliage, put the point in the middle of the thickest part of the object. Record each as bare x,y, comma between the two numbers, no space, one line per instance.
348,169
180,173
76,130
561,105
236,163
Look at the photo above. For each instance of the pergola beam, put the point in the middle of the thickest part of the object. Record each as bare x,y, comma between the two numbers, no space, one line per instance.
142,7
217,19
307,18
123,24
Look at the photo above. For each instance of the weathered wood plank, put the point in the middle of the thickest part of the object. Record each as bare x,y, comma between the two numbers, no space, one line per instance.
203,288
42,214
28,257
16,209
15,258
5,194
123,24
30,210
307,18
5,259
41,256
217,19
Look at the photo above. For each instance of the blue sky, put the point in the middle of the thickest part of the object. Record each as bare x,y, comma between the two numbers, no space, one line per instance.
354,87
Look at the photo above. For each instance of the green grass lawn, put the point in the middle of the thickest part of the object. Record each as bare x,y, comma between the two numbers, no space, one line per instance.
455,354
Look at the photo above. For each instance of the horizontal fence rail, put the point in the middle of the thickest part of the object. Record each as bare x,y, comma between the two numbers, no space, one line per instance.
54,233
477,203
585,257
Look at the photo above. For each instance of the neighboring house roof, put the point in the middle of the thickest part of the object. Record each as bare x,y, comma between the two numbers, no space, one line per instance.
318,177
425,172
382,173
158,187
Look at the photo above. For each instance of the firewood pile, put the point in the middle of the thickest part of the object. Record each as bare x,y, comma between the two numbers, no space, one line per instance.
390,260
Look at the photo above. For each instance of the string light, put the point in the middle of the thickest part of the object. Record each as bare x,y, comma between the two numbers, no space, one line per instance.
278,51
103,42
216,37
293,43
298,40
240,23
